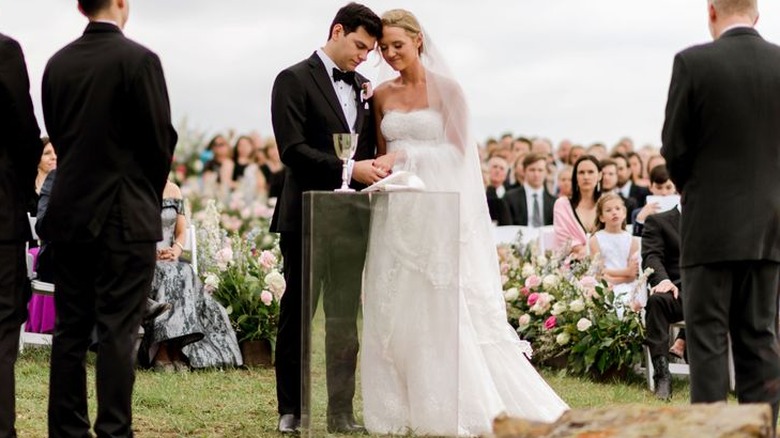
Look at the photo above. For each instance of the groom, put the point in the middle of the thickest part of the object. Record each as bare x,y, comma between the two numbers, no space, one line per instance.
311,101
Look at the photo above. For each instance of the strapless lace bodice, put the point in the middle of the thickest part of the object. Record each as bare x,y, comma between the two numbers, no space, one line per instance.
423,125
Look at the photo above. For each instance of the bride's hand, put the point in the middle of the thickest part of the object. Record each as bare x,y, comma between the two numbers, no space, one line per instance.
364,172
385,162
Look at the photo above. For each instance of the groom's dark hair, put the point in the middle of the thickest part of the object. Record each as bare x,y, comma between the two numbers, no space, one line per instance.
91,7
355,15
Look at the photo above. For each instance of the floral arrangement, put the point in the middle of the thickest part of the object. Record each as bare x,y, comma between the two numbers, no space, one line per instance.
187,163
243,276
557,305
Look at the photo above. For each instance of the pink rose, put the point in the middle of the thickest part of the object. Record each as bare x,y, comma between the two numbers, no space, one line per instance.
549,324
532,298
588,282
525,291
267,259
266,297
533,281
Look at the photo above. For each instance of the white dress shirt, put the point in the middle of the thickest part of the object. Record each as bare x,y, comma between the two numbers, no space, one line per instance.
626,189
344,92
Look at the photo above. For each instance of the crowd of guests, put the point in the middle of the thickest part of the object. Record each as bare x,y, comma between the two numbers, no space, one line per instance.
249,164
597,203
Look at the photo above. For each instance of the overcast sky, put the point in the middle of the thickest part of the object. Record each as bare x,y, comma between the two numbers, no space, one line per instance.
592,70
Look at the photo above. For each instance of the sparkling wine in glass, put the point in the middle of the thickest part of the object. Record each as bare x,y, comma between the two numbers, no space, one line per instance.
345,146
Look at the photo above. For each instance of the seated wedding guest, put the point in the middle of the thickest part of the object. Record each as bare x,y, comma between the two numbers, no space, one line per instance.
575,153
626,187
543,147
638,175
564,181
574,218
531,204
517,174
220,168
660,185
521,146
497,171
615,248
47,163
40,309
562,153
661,252
609,182
598,150
242,157
196,332
654,160
272,169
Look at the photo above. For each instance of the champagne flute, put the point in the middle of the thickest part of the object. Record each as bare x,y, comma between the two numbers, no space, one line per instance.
345,146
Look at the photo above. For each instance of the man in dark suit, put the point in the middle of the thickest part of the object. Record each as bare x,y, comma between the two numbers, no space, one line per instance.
530,204
721,141
661,252
20,151
311,101
626,187
106,108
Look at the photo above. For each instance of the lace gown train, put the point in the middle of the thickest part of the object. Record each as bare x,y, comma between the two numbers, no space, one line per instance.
438,357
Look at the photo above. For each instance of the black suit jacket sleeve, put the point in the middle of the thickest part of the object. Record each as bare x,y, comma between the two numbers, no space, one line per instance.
289,117
677,132
20,148
154,121
653,250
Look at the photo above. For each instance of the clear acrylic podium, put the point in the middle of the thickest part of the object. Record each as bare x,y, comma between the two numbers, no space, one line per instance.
380,311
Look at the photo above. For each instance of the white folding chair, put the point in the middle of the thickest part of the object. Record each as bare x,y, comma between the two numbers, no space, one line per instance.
683,369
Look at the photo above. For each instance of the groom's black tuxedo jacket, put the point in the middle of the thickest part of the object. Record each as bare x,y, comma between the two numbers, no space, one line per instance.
20,145
106,108
305,113
721,141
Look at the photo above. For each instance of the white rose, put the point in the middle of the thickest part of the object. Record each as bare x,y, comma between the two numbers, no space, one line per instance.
528,270
275,282
558,308
577,305
563,338
524,320
211,282
542,260
583,324
511,294
550,281
224,256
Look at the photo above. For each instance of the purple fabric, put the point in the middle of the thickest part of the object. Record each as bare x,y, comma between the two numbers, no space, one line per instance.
40,308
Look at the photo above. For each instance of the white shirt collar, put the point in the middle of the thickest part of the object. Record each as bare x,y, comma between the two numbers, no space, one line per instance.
107,22
531,191
735,26
329,64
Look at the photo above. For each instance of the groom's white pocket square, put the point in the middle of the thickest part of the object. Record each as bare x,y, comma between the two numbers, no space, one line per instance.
396,182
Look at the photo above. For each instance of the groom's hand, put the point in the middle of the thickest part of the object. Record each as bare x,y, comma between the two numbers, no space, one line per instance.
365,173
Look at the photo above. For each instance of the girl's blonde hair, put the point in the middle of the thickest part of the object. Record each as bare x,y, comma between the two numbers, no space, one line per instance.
403,19
606,197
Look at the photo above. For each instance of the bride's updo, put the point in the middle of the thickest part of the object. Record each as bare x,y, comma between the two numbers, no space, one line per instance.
403,19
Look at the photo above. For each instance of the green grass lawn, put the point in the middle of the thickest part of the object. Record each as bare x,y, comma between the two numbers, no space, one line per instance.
242,402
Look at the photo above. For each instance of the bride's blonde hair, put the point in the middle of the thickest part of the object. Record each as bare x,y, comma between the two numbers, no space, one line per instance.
403,19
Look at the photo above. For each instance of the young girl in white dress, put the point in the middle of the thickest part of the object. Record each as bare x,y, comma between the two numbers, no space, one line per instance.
615,247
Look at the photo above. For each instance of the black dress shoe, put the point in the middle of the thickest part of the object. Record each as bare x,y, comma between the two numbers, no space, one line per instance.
344,423
288,423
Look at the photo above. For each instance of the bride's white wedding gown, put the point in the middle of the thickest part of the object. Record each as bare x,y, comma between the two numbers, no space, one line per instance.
438,355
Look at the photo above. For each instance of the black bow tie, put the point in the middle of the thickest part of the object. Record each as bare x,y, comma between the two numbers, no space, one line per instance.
347,76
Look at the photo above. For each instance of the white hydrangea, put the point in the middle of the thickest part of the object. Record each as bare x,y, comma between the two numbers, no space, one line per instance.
550,281
577,305
511,294
558,308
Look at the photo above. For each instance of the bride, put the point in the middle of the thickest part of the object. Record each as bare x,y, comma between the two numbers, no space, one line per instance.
426,368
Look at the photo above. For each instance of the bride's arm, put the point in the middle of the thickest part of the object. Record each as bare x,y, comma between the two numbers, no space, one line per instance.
381,146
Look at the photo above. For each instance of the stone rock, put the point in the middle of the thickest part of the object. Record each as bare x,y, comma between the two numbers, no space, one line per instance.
718,420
